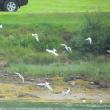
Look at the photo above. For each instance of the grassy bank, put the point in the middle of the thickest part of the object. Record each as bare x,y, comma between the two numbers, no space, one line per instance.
93,71
21,53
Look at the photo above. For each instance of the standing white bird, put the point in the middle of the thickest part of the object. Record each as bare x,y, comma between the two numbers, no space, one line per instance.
1,26
66,92
66,47
84,101
101,101
20,76
108,51
52,51
89,39
45,84
36,37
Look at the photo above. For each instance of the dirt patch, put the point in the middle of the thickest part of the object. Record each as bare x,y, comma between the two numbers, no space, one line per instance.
12,88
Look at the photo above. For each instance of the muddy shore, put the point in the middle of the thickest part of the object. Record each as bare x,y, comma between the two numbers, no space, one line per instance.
12,88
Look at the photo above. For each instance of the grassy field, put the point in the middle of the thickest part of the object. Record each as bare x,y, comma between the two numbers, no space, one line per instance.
65,6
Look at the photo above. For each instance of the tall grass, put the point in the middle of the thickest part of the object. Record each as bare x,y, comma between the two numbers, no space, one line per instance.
91,70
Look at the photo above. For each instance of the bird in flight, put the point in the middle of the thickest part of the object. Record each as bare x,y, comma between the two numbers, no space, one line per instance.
1,26
89,39
20,76
36,37
45,84
66,47
66,92
52,51
108,51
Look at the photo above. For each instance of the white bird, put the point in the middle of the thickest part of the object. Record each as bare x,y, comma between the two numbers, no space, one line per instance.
84,101
66,47
1,26
36,37
52,52
20,76
45,84
108,51
101,101
66,92
89,39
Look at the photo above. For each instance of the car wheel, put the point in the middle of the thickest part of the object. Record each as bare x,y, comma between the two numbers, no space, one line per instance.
10,5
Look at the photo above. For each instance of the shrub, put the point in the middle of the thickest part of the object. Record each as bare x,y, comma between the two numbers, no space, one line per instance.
100,34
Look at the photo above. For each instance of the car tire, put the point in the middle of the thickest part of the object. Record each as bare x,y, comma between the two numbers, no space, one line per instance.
10,5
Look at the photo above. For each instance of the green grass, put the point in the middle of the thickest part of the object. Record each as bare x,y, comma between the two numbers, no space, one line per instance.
66,19
58,6
24,55
65,6
93,71
51,19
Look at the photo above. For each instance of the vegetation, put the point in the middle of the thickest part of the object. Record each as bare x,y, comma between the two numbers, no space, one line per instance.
21,53
66,6
92,71
98,31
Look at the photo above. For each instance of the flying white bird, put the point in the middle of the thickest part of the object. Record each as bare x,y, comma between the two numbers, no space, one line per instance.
66,92
89,39
66,47
36,37
45,84
1,26
52,52
20,76
108,51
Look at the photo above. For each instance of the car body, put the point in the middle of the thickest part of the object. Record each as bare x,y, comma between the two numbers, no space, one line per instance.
12,5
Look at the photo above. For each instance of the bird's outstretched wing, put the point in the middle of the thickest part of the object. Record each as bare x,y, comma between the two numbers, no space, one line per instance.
89,39
49,87
69,49
41,84
36,37
1,26
108,51
20,76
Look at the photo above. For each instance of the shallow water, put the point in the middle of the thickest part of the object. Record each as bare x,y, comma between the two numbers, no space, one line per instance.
51,106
